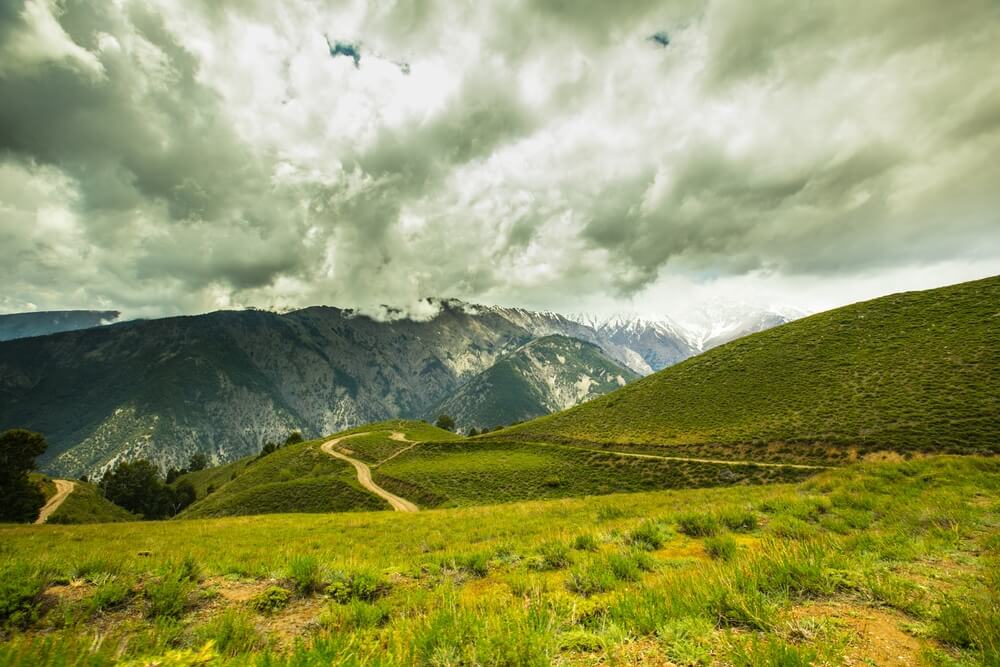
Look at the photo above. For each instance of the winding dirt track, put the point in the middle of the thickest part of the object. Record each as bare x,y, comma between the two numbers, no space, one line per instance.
64,487
365,473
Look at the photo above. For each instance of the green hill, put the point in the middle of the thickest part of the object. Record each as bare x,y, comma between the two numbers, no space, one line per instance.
300,477
545,375
911,372
86,505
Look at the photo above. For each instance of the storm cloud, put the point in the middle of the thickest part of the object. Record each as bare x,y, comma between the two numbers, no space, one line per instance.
166,157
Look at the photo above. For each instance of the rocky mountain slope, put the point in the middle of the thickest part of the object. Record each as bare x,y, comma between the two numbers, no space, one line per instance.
223,382
546,375
25,325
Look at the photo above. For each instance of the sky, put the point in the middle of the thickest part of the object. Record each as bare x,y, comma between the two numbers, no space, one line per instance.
167,156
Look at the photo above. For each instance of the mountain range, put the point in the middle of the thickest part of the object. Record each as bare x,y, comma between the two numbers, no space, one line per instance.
43,323
223,382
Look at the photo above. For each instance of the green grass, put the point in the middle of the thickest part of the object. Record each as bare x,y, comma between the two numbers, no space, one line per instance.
478,472
504,585
296,478
86,504
909,372
376,445
216,477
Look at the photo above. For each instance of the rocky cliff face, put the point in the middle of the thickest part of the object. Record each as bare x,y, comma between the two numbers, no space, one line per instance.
546,375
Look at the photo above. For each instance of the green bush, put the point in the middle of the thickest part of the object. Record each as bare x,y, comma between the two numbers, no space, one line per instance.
233,633
585,542
305,575
720,547
698,525
365,586
168,595
356,615
21,589
551,556
111,594
740,521
595,578
773,652
647,536
270,600
687,641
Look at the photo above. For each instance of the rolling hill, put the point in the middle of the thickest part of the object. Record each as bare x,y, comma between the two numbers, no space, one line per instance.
546,375
910,372
300,477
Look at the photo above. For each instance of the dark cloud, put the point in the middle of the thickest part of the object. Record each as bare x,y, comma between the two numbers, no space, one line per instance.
171,156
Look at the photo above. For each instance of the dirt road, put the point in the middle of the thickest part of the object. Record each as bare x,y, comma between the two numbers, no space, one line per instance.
801,466
64,487
365,473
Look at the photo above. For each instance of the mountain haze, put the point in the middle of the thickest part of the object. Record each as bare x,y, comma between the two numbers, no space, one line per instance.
25,325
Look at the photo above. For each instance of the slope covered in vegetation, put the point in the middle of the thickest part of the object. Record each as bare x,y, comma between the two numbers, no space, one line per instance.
301,477
909,372
889,563
86,504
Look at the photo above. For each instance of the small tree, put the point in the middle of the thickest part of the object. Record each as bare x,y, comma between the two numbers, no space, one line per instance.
473,431
445,422
293,438
268,448
198,462
20,499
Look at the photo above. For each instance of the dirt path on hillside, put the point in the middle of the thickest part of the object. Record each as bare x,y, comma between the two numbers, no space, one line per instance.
365,474
658,457
64,487
398,437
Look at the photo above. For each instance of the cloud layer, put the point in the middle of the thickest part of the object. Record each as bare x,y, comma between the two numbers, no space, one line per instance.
168,156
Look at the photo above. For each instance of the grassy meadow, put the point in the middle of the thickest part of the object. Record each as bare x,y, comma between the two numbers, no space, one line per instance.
865,564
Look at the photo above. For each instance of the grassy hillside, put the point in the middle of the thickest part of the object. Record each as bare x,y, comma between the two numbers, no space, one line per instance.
377,443
474,473
868,564
216,477
87,505
301,478
908,372
296,478
545,375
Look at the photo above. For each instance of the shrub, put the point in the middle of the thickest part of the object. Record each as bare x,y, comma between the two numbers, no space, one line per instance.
740,521
551,556
594,578
647,536
355,615
697,525
365,586
720,547
305,575
111,594
585,542
773,652
233,633
624,567
687,641
270,600
168,596
21,588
